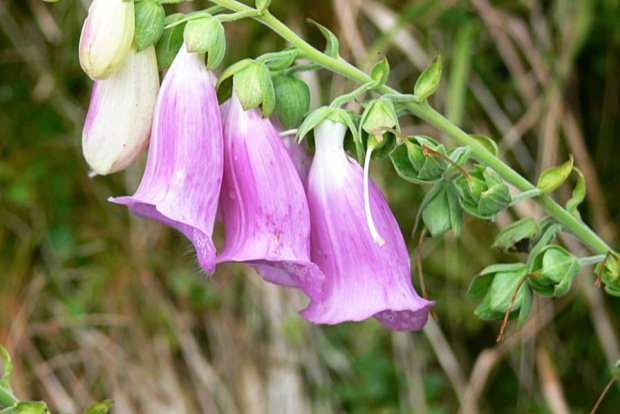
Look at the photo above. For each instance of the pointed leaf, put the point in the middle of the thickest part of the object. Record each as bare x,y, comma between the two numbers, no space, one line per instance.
380,72
428,82
553,177
524,229
333,44
579,194
99,407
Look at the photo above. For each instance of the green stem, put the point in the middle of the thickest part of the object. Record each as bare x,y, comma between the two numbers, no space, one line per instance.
6,398
341,100
427,113
592,260
525,195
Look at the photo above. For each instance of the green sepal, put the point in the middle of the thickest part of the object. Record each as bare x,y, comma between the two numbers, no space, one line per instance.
149,23
333,114
553,177
442,211
548,234
503,288
517,236
578,195
332,49
481,283
252,83
170,41
379,113
380,72
428,82
206,35
292,100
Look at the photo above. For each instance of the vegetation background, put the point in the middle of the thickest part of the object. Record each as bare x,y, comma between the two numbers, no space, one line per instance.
97,304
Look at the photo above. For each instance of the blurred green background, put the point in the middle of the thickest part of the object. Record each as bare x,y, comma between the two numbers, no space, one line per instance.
97,304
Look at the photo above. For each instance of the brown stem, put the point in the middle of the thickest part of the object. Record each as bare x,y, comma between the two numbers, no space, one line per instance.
500,337
431,152
598,282
600,399
421,272
379,132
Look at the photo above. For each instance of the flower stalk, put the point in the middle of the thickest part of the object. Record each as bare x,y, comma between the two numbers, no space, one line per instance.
424,111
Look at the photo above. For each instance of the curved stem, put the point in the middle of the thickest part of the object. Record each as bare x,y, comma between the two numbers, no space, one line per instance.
430,115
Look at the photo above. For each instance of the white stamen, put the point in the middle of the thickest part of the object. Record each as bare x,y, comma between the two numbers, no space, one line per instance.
289,132
376,237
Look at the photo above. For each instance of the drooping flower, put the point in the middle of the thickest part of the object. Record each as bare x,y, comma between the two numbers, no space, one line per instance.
263,204
362,277
181,184
106,37
120,115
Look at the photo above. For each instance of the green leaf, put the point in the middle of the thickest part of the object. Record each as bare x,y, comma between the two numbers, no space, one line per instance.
553,177
380,72
7,365
99,407
254,88
486,142
514,234
579,194
484,312
428,82
333,45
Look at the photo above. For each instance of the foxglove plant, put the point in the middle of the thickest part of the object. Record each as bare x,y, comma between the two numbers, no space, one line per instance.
263,204
106,37
120,115
362,277
361,267
181,183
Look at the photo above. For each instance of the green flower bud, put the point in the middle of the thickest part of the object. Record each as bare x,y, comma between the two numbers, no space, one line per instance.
610,274
292,100
483,193
553,271
420,160
150,16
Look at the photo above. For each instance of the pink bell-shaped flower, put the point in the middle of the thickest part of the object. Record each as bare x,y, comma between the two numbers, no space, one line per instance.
263,203
365,274
181,183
